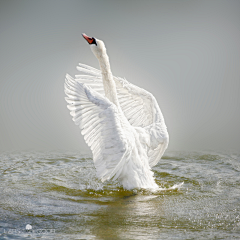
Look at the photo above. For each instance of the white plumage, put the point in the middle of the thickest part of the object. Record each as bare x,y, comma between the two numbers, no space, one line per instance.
120,122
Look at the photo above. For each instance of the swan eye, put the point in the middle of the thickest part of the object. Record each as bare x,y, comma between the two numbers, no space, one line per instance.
94,41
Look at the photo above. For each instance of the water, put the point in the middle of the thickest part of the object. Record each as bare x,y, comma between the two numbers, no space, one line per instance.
61,198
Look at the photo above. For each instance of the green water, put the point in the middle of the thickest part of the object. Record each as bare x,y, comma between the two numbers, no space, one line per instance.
61,198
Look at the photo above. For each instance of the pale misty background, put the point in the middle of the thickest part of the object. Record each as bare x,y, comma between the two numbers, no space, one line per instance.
186,53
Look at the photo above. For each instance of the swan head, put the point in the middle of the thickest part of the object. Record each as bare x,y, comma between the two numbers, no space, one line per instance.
97,46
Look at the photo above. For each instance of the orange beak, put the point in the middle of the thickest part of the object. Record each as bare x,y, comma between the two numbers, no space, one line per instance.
89,40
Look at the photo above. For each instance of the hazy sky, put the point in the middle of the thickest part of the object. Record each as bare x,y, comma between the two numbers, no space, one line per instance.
187,53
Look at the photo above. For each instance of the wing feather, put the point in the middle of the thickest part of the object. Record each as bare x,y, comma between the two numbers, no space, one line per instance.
100,125
129,95
138,105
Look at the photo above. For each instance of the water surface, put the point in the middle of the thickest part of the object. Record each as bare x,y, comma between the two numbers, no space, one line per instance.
60,196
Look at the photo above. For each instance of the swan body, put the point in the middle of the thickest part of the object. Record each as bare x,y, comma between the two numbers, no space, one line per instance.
121,123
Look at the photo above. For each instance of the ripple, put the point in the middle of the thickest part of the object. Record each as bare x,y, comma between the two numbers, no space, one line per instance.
198,192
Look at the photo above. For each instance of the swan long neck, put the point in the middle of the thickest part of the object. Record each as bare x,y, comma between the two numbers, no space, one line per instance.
108,82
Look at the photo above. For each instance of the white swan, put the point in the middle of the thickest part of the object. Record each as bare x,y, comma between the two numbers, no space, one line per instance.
121,123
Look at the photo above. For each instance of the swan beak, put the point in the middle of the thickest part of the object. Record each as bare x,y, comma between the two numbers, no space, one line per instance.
89,40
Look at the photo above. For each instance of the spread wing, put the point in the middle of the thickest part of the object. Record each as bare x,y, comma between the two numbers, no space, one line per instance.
135,102
99,122
139,106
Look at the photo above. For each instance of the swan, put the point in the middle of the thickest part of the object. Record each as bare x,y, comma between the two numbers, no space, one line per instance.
121,123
